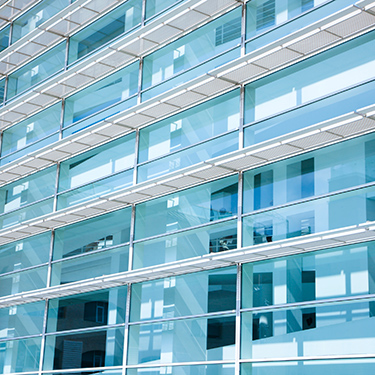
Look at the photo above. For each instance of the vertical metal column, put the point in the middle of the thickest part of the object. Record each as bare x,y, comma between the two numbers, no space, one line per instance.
139,98
126,331
243,29
238,321
56,187
131,244
43,343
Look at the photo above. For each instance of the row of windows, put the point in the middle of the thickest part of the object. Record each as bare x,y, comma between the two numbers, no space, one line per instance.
285,302
322,190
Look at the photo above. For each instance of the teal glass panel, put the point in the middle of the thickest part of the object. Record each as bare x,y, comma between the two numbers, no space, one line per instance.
187,208
310,114
36,16
337,211
192,294
321,366
26,213
90,265
94,234
218,369
24,253
24,281
262,15
207,120
326,170
343,272
154,7
4,38
97,163
24,134
27,190
22,320
332,329
95,98
87,310
2,91
188,244
189,340
115,23
20,355
36,71
337,69
95,189
91,349
202,44
190,156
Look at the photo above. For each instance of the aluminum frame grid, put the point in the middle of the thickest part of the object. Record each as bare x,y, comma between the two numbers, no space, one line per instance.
11,9
330,239
325,133
200,89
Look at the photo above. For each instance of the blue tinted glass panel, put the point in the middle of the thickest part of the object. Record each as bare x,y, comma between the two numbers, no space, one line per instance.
156,6
4,38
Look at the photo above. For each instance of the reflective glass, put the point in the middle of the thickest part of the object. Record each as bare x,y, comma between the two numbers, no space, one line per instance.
310,114
87,310
156,6
200,45
27,190
188,244
94,234
27,132
204,339
37,70
187,208
36,16
226,369
2,91
95,189
111,25
97,163
4,38
90,265
192,294
322,366
101,95
18,282
20,355
22,320
192,155
341,166
28,252
27,213
338,211
343,272
80,350
339,68
332,329
261,15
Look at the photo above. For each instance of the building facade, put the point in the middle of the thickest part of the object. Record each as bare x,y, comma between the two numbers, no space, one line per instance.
187,187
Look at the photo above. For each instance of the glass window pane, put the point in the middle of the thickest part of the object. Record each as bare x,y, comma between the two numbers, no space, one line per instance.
188,244
31,130
226,369
97,163
91,265
84,350
304,277
36,71
22,320
333,329
331,71
200,45
28,252
94,234
27,190
36,16
187,208
87,310
101,95
20,355
192,294
204,339
156,6
4,38
113,24
2,91
23,281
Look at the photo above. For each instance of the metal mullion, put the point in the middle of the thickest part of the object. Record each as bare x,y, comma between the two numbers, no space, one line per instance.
132,236
237,368
55,195
143,17
49,269
140,76
42,346
243,30
126,331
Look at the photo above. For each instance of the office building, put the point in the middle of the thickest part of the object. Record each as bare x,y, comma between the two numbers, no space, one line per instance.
187,187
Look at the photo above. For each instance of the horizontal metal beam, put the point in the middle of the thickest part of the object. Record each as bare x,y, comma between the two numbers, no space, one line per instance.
329,239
